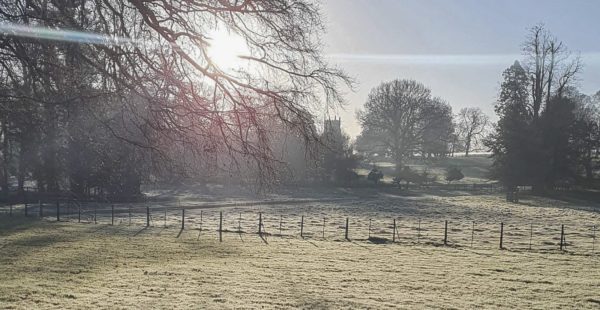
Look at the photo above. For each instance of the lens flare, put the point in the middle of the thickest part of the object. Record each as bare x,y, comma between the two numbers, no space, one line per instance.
43,33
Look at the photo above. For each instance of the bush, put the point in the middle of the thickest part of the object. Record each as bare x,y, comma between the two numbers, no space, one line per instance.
375,175
411,176
454,174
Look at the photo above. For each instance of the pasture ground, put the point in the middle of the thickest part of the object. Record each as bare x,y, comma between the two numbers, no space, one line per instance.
45,264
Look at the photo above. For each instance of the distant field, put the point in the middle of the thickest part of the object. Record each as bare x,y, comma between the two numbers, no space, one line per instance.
45,264
475,168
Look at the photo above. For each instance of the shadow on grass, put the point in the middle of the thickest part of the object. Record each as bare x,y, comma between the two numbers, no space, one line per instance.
357,244
378,240
263,238
307,240
140,231
12,224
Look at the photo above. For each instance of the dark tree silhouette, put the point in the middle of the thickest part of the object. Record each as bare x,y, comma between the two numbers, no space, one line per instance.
402,118
154,69
454,174
537,140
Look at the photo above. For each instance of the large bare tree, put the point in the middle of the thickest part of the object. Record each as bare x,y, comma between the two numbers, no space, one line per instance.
400,115
550,66
472,124
152,59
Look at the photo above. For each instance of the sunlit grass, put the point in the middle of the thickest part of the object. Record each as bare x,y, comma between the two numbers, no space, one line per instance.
68,265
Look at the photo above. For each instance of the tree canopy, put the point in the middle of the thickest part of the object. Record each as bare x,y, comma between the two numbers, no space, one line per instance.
141,72
539,139
402,118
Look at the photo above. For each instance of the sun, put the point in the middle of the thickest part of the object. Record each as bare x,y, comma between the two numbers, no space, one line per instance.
225,50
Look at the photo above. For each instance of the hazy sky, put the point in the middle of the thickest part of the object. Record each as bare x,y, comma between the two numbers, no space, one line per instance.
458,48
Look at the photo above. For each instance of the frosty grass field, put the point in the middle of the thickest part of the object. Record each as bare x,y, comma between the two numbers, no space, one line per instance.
45,264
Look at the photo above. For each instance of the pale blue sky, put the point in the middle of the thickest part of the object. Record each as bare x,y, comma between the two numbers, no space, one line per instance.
458,48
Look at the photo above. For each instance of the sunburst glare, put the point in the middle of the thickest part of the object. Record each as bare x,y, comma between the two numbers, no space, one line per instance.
225,50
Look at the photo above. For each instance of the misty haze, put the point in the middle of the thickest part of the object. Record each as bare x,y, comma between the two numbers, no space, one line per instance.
313,154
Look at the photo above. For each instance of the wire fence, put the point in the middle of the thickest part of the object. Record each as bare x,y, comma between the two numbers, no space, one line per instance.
507,235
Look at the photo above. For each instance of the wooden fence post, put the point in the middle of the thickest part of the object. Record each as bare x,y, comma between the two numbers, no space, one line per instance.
147,216
182,219
57,211
446,232
25,209
129,209
501,234
562,236
200,221
346,233
221,226
394,232
95,213
112,214
369,228
78,213
240,223
260,223
302,227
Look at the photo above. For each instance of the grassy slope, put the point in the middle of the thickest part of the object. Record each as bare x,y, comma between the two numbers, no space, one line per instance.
68,265
475,168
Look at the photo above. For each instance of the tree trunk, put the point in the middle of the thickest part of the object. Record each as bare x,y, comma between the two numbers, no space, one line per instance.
5,158
589,173
21,172
467,146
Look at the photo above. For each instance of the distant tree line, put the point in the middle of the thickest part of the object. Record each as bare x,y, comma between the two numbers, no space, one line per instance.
401,119
547,135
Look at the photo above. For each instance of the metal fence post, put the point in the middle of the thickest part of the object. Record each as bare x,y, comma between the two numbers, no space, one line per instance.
446,232
530,234
472,233
280,224
182,219
346,233
501,234
221,226
594,240
394,232
562,236
419,231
